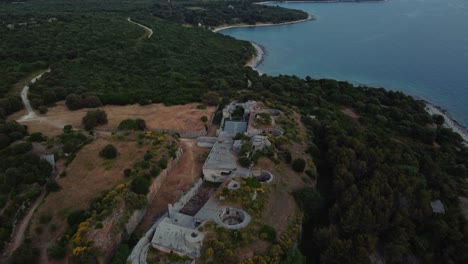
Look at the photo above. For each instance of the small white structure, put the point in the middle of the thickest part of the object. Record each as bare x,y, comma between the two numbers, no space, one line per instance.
438,207
50,158
260,142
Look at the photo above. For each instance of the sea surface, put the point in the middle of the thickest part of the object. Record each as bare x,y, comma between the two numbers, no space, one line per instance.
419,47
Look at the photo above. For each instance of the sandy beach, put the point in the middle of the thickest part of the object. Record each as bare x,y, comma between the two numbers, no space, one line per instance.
449,122
223,27
259,50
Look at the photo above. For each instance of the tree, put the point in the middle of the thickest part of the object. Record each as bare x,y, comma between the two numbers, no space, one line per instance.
140,124
204,119
438,119
73,101
57,250
24,254
94,118
108,152
294,257
91,101
67,129
299,165
211,98
140,185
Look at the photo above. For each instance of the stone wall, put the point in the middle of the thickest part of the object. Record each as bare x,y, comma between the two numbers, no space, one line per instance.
153,190
138,215
184,199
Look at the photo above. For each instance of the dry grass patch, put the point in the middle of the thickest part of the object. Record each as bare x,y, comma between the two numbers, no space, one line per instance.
157,116
87,176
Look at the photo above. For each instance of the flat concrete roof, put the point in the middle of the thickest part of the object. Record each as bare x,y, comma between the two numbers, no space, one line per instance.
221,156
173,237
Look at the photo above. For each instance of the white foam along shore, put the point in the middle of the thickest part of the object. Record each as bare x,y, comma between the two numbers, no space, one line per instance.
260,52
257,58
449,121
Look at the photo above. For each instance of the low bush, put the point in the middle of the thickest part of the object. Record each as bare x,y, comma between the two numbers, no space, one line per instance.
109,152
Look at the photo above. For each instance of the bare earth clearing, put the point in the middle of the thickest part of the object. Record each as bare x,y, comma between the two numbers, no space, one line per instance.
157,116
87,176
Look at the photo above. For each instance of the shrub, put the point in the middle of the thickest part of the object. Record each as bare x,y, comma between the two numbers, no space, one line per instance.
127,172
140,124
24,254
244,161
287,157
147,156
108,152
91,101
94,118
22,147
201,107
204,119
132,124
121,255
127,124
42,109
73,101
163,162
52,186
155,171
140,185
76,217
299,165
45,218
67,129
57,249
145,164
268,233
135,201
37,137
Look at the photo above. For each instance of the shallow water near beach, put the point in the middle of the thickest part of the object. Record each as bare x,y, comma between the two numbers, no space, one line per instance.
417,46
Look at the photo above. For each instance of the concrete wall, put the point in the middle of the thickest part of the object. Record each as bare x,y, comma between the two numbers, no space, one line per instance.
153,190
185,133
213,175
184,199
138,215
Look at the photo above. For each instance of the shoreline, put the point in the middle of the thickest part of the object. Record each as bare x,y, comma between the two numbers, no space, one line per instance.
316,1
257,59
223,27
449,122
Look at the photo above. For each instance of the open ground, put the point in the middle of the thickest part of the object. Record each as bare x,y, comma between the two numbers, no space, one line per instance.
156,116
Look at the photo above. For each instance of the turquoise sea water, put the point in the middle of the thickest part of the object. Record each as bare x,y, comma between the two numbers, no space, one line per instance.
417,46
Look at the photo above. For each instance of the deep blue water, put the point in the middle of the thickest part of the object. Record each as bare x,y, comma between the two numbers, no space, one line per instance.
417,46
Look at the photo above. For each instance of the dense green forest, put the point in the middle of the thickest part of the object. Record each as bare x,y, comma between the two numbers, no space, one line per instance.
215,13
377,174
92,49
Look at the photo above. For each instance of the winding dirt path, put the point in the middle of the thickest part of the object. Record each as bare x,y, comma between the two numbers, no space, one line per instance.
31,114
24,97
18,236
149,31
